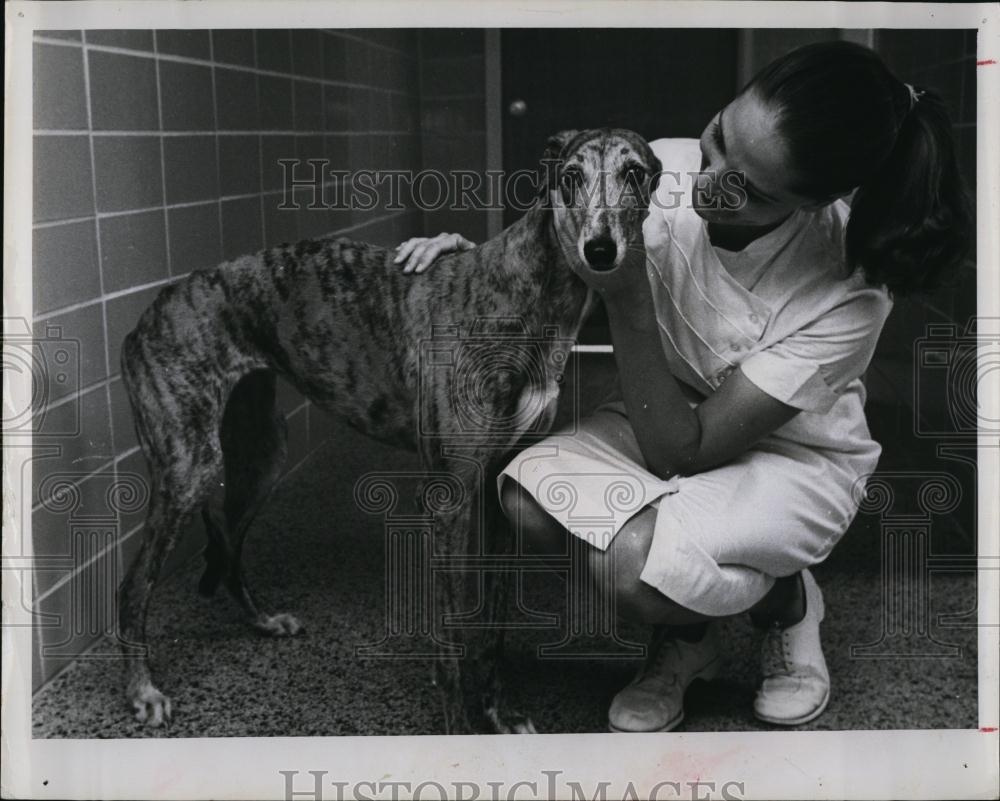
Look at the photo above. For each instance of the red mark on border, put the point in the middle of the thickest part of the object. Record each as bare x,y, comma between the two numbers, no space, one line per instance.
988,729
986,62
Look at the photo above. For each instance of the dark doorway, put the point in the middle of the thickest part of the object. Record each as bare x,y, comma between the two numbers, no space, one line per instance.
660,83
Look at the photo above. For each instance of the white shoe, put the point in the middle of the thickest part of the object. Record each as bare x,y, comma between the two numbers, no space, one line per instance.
654,701
796,685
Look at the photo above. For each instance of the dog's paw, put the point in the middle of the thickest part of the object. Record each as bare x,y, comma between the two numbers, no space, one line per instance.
151,706
282,625
510,722
523,726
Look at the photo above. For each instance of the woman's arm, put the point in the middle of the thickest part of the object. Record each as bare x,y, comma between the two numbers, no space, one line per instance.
673,437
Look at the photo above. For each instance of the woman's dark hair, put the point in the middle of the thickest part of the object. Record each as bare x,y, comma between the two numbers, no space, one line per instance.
850,124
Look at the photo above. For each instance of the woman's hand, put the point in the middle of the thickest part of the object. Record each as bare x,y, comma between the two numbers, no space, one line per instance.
417,254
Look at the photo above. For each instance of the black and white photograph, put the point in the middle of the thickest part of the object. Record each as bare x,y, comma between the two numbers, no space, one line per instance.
381,379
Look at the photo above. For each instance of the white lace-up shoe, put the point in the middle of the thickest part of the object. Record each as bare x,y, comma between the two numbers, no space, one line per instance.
796,686
654,701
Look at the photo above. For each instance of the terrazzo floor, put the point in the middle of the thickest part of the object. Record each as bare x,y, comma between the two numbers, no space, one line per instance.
314,553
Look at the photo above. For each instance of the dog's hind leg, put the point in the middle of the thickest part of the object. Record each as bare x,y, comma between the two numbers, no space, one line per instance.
254,439
182,466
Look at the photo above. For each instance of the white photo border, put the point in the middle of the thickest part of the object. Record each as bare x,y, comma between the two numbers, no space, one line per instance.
772,765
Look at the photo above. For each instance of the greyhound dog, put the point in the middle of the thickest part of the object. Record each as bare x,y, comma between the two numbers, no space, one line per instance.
341,323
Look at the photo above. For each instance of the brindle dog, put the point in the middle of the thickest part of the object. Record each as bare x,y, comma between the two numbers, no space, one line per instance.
340,322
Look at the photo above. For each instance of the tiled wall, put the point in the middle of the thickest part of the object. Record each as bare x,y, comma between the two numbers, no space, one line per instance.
156,154
453,117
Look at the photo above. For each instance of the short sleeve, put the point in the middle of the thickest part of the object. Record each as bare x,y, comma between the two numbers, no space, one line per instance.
811,367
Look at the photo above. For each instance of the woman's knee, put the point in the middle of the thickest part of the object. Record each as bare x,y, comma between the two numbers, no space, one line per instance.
537,527
619,569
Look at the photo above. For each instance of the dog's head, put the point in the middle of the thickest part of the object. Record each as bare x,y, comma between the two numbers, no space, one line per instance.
598,183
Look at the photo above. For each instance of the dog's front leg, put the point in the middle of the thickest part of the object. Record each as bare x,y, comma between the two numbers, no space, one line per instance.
451,674
498,540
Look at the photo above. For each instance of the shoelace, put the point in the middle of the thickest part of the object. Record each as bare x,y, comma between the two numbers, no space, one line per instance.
662,646
773,659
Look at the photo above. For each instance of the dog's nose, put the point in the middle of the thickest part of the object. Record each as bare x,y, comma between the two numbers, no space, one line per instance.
600,253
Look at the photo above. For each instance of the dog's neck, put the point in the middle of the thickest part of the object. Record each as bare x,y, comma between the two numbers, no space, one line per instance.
534,270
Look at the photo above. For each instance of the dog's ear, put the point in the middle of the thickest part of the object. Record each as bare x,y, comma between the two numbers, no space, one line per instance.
548,174
555,144
657,168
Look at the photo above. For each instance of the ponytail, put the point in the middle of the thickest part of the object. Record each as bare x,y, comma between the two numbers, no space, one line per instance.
911,224
849,124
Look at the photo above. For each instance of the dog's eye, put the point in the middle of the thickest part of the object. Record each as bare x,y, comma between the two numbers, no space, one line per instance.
569,182
635,175
571,178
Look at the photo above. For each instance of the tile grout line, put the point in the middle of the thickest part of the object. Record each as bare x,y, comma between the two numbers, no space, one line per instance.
260,148
218,145
163,158
200,62
151,133
162,282
100,276
115,546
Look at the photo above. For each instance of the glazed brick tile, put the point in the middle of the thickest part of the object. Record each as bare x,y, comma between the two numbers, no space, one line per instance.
307,53
52,519
275,103
358,59
80,612
57,87
191,168
280,225
62,180
334,57
71,346
189,43
273,150
133,249
233,47
186,97
336,107
122,92
128,172
195,238
73,456
308,106
239,165
130,40
64,265
336,150
242,233
236,100
274,50
122,425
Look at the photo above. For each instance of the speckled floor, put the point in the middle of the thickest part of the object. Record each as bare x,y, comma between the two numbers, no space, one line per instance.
314,553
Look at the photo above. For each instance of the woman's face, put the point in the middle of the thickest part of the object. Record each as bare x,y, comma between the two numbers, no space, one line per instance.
745,173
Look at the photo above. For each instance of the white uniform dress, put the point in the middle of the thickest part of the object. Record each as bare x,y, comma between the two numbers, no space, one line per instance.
787,313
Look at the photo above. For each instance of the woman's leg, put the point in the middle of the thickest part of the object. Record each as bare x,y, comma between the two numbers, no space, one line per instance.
616,570
679,652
